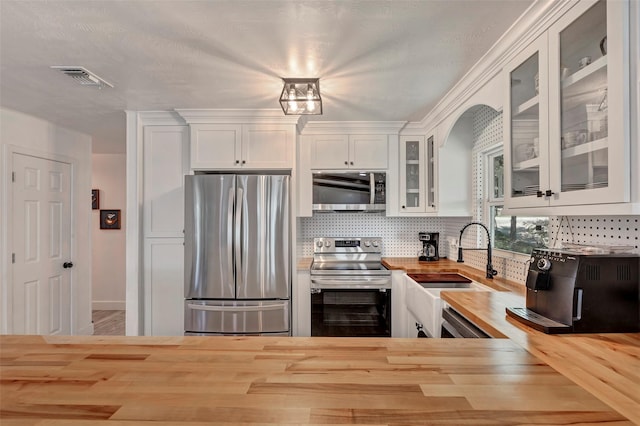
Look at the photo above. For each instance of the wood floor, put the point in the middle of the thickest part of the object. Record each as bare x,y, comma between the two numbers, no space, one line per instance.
108,323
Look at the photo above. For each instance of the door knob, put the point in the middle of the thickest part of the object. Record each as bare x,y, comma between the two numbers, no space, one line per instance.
66,265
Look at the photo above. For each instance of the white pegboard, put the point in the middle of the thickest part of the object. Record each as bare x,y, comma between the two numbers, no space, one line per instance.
609,230
399,234
487,132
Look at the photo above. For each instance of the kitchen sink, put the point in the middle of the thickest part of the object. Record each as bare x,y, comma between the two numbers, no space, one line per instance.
423,296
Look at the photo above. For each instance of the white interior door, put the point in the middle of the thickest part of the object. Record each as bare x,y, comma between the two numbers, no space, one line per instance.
41,287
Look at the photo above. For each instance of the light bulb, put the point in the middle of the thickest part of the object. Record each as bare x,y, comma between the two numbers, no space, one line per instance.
292,92
311,106
293,106
309,91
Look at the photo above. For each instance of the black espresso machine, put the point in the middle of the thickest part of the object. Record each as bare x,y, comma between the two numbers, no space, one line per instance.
573,292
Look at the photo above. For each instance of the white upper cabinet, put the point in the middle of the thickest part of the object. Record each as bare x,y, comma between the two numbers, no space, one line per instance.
567,114
241,146
368,152
417,176
268,146
362,152
164,163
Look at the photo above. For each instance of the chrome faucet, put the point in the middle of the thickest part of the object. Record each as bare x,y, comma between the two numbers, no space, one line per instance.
490,271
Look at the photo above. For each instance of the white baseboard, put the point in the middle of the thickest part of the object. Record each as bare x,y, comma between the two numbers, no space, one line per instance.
108,305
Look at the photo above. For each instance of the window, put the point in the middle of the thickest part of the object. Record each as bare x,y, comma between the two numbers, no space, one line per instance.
519,234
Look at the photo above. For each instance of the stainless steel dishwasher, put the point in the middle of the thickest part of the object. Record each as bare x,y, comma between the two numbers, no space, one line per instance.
455,325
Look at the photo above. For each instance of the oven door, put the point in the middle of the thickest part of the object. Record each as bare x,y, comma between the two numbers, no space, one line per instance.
351,312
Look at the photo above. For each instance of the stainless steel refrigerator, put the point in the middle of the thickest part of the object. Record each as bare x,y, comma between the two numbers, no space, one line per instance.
237,255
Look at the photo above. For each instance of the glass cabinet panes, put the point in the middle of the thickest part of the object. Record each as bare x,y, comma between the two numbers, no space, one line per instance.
417,191
525,128
412,164
567,137
584,102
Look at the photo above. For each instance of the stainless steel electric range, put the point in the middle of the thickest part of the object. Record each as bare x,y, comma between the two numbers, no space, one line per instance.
350,288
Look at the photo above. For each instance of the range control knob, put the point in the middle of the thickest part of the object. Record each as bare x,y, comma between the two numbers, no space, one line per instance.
319,243
327,243
544,264
376,244
367,243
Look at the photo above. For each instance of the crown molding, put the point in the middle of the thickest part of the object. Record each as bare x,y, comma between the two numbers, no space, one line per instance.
529,26
159,118
236,116
352,127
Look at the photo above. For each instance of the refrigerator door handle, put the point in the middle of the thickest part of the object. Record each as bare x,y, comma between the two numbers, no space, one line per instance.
257,308
230,233
238,239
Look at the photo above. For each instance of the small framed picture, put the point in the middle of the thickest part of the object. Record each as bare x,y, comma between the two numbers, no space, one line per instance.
109,219
95,199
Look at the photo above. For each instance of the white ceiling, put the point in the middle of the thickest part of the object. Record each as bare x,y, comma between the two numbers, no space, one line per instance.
380,60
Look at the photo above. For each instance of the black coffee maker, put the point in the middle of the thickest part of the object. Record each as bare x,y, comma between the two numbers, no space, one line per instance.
429,250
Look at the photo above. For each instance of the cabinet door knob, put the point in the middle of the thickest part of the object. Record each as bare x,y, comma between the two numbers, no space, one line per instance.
346,163
352,163
237,161
244,162
549,193
539,194
403,207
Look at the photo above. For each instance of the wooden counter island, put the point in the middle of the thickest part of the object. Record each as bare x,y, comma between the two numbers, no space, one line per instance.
607,365
526,378
58,380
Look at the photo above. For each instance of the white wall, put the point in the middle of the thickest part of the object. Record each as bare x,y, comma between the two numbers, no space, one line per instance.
109,245
26,133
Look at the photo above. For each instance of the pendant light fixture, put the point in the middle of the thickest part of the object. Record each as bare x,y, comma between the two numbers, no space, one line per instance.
301,96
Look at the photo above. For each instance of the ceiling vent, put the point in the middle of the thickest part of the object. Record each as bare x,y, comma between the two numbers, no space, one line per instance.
83,76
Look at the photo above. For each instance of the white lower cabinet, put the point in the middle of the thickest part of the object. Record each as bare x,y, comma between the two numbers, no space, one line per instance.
164,287
398,305
302,305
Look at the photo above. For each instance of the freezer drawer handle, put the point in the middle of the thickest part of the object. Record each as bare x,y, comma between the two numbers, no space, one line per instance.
237,308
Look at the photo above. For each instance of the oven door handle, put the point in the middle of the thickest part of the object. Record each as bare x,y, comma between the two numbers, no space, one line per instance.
356,283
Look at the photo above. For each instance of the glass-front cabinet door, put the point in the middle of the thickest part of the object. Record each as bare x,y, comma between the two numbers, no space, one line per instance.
526,127
412,174
589,137
566,126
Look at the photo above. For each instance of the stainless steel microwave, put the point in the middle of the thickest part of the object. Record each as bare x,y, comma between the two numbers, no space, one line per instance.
349,191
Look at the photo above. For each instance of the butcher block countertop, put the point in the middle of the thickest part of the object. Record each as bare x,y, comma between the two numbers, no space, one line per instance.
607,365
58,380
